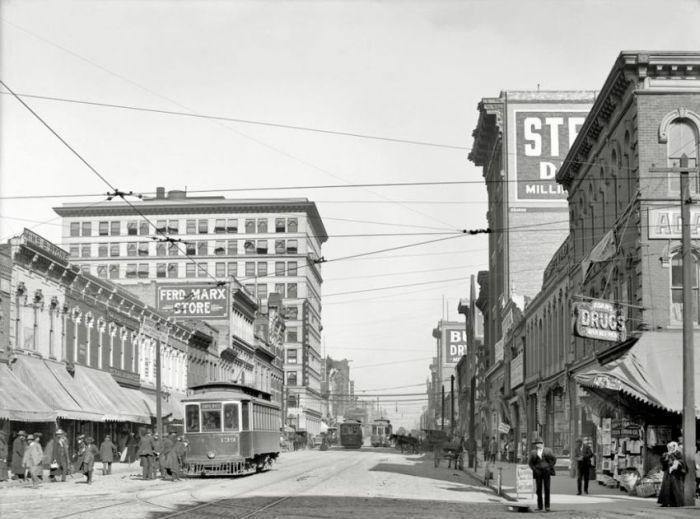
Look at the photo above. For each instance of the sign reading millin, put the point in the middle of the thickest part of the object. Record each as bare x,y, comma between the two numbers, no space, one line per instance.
542,139
601,320
201,301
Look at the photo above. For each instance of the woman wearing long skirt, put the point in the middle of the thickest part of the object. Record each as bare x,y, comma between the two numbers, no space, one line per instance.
671,492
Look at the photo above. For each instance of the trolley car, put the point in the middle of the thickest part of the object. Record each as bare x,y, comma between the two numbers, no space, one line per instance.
381,433
351,434
232,429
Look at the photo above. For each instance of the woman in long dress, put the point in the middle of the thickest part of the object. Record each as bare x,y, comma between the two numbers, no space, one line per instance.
671,492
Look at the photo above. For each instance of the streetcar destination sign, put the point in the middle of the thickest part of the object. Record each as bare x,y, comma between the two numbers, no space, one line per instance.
602,320
193,300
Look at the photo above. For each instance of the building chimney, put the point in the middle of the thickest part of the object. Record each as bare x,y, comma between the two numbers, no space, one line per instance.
160,193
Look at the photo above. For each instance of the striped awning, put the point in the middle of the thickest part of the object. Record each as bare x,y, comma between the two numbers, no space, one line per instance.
18,402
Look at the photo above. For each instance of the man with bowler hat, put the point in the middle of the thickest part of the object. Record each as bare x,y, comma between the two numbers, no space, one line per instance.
33,456
60,456
146,453
18,448
583,455
542,462
108,451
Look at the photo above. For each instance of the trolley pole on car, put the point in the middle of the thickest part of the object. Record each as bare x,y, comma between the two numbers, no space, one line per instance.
442,425
688,342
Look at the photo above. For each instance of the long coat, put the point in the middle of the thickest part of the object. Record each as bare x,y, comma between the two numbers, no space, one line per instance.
87,458
60,453
18,448
544,465
107,451
4,451
671,491
168,455
33,455
146,446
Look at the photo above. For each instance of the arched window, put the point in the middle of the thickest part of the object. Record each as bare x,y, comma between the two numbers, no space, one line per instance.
682,140
677,288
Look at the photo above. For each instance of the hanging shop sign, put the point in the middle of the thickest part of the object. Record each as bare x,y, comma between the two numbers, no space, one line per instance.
625,429
516,371
498,351
455,344
193,301
503,428
597,319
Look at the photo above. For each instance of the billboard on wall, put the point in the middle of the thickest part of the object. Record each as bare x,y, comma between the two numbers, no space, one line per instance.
193,301
454,342
541,140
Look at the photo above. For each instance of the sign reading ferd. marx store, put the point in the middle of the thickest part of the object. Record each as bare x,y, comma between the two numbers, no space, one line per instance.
602,320
201,301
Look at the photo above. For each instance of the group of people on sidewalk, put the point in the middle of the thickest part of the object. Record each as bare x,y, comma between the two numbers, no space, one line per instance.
167,455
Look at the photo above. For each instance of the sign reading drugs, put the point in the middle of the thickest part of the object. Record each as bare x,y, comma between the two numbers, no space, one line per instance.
200,301
542,139
455,344
602,320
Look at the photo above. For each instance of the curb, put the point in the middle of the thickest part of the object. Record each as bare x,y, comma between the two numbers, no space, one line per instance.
491,485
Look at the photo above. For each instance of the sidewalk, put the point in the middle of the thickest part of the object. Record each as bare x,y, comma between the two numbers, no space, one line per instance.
120,470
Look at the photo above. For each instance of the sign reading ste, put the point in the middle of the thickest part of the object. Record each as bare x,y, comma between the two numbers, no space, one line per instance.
201,301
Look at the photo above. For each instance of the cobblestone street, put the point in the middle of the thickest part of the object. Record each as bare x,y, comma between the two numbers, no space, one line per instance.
337,483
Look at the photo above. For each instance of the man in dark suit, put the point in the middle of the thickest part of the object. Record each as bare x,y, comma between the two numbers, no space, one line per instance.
542,462
582,454
146,453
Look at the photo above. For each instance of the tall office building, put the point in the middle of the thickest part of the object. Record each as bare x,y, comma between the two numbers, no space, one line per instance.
267,245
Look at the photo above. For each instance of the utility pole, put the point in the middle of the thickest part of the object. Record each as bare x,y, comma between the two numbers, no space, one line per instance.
159,411
442,425
452,405
688,354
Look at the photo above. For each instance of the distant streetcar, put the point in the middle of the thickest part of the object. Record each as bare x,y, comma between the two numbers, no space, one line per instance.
381,433
351,434
232,429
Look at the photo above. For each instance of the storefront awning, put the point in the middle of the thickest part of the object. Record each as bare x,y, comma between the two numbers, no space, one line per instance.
35,373
651,371
18,402
148,400
100,384
58,369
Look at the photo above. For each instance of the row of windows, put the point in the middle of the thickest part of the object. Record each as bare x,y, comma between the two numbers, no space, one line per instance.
192,226
190,248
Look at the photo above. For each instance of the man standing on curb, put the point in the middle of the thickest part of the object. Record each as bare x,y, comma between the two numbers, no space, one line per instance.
582,455
542,462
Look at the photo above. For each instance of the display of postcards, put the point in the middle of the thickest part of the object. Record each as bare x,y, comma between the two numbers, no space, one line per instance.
606,437
607,424
607,451
607,464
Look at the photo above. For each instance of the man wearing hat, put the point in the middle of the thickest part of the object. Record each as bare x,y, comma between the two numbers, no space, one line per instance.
60,463
146,453
157,461
542,462
4,451
18,448
108,451
87,458
32,459
583,455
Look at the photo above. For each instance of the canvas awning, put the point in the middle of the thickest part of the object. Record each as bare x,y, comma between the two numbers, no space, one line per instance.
58,369
123,407
148,400
651,372
35,373
18,402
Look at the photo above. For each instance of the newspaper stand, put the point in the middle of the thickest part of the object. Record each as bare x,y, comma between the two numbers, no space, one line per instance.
524,484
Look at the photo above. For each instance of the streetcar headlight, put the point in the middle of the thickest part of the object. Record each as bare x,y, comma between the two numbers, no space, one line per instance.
211,455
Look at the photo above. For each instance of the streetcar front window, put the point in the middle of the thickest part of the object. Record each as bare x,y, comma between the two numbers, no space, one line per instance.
192,418
211,417
230,417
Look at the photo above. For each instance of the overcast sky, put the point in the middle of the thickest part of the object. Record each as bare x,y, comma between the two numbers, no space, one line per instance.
399,69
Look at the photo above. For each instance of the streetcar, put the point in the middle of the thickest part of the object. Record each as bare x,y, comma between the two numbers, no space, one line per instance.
381,433
231,429
351,434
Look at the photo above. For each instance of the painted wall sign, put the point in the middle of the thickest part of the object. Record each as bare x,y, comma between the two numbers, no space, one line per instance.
193,301
33,240
601,320
454,342
665,223
516,370
542,139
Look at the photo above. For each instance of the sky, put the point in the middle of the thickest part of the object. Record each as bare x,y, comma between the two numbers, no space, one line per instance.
410,70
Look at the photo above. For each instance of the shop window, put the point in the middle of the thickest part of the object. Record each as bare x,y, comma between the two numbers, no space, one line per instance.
143,270
102,271
219,226
131,249
232,225
190,270
203,226
232,269
173,226
280,246
677,289
291,356
292,378
115,228
87,228
292,225
291,290
250,226
231,417
114,271
279,289
262,225
250,269
292,247
143,248
103,229
143,228
202,248
203,270
132,228
280,225
249,246
682,140
161,270
292,268
160,248
172,270
220,269
75,228
191,226
261,247
262,268
131,271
